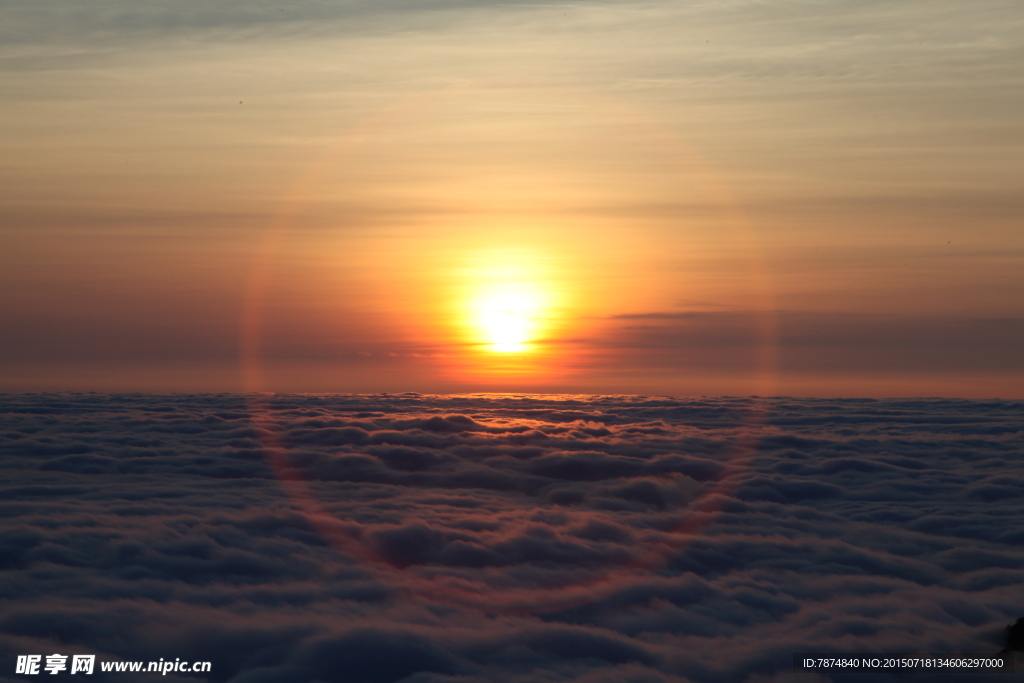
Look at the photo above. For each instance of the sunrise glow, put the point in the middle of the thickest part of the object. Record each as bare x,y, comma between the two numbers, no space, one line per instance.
620,198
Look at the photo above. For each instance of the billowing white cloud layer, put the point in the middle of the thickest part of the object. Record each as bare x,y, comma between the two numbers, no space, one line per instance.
448,539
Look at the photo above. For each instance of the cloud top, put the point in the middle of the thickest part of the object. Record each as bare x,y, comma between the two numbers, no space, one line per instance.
448,539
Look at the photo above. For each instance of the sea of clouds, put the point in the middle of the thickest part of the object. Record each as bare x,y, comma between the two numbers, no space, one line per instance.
450,539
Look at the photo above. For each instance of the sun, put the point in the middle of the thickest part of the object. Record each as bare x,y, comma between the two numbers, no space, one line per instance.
505,304
506,316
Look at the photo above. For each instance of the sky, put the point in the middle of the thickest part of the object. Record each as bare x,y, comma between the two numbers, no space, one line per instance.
684,198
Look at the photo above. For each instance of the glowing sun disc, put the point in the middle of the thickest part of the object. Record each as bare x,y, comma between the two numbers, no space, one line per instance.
506,316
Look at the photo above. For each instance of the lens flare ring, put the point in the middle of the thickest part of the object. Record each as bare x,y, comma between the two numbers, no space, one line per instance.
507,317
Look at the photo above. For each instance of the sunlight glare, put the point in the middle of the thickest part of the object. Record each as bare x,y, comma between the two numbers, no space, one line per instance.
506,316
